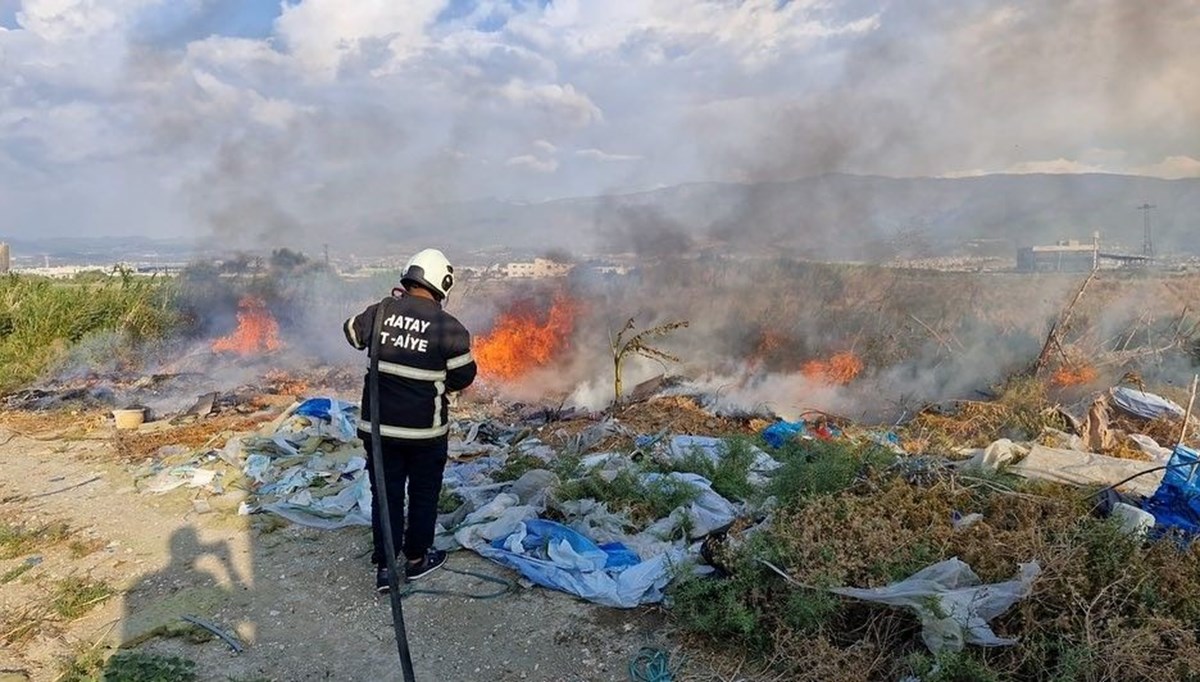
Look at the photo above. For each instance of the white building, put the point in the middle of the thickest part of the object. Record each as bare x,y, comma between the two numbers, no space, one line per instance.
540,268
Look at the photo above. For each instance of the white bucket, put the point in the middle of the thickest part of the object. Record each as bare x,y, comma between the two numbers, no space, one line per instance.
1133,520
129,419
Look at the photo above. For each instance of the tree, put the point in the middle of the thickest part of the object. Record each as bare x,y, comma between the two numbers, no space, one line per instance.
287,260
638,344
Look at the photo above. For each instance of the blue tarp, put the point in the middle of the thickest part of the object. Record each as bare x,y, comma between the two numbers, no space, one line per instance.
781,432
1176,503
555,556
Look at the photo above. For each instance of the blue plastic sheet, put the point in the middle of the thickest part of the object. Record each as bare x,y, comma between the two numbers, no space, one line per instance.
555,556
781,432
1176,503
338,413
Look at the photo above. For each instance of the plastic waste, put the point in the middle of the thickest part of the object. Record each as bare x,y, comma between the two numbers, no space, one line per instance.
337,413
1145,405
707,513
680,447
779,433
1134,521
1086,468
953,607
555,556
1151,447
1176,502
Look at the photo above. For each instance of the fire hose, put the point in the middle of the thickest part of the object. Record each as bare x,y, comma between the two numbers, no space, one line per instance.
385,518
396,596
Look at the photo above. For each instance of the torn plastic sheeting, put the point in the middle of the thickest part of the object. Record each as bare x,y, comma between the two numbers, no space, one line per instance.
1151,447
1085,468
191,476
498,518
953,607
1176,503
680,447
351,506
554,556
1145,405
707,513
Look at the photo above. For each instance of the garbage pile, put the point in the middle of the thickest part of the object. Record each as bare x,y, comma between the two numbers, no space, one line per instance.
600,506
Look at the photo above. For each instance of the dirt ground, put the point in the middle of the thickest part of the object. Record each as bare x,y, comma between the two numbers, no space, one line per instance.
301,600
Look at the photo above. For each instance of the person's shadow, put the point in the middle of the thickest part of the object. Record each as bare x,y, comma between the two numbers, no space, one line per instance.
201,583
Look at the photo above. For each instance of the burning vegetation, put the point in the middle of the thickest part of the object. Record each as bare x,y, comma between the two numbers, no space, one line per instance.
840,369
257,331
524,339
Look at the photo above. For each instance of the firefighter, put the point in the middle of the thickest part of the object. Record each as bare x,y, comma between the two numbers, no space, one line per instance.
424,353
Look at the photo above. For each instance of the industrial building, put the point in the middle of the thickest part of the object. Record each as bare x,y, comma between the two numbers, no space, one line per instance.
1064,256
1073,255
5,259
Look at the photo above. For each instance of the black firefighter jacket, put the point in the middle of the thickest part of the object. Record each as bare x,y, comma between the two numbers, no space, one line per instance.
424,352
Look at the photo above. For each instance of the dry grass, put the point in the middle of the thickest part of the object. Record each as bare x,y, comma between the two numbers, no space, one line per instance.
1105,607
134,446
55,422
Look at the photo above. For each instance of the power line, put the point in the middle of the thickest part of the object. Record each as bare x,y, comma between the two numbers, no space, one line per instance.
1148,237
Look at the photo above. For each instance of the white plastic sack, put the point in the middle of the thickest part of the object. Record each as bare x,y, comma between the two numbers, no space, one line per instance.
953,607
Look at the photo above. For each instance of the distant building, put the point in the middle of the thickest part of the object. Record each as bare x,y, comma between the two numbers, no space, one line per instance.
5,259
539,268
1075,256
1064,256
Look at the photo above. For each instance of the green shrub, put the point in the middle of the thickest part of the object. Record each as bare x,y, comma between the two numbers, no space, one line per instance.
42,319
816,468
645,501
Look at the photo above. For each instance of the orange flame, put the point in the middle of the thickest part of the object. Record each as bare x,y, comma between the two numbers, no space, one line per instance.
257,330
1067,376
838,370
522,340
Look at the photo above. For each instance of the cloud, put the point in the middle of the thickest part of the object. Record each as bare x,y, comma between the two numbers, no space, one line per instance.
533,163
601,155
560,102
1173,168
360,113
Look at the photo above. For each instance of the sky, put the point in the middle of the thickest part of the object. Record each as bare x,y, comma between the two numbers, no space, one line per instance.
231,117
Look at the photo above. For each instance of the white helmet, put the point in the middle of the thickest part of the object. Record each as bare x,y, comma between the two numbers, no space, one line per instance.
431,269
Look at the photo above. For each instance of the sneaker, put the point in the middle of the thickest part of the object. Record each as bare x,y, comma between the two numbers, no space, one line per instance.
432,561
382,585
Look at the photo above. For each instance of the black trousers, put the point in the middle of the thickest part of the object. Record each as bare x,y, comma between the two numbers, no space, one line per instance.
417,466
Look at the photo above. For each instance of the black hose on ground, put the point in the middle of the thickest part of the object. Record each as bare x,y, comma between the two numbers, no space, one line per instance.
385,518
